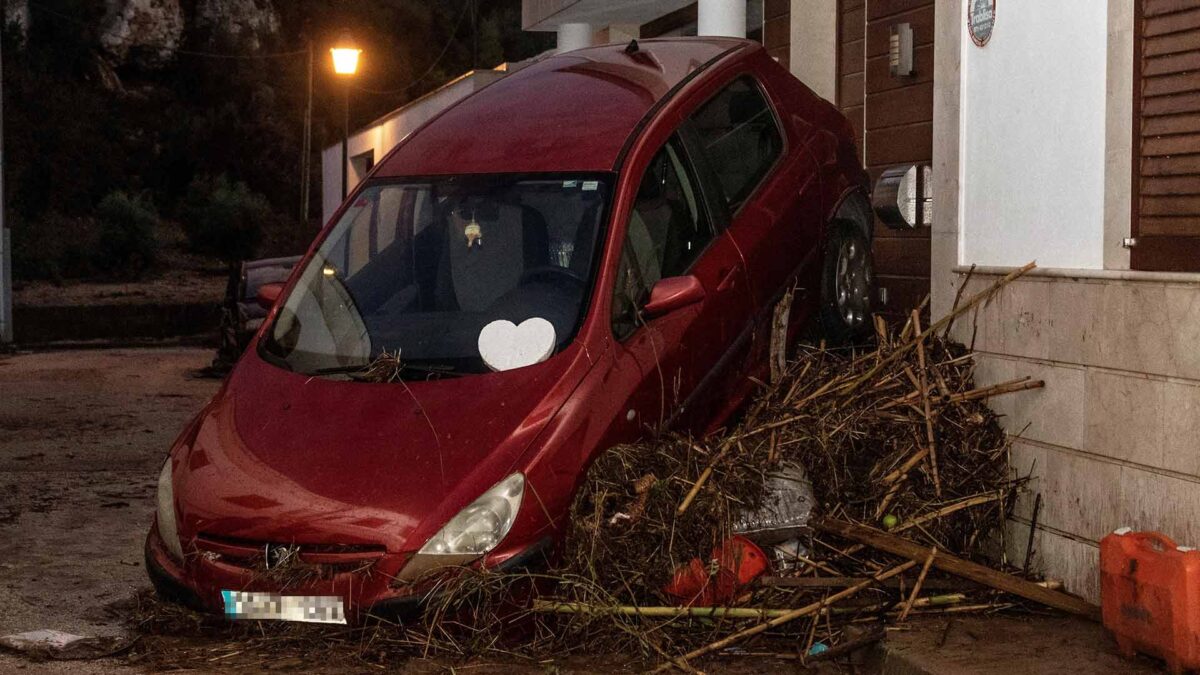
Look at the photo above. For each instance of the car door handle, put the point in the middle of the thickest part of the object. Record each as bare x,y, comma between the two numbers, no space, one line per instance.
729,277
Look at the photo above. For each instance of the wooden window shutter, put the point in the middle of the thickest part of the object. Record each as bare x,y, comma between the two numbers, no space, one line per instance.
1166,167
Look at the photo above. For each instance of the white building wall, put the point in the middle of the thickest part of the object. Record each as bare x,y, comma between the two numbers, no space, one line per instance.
384,134
1033,122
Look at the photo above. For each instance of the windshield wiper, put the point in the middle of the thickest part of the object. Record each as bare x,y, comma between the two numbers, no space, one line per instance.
356,371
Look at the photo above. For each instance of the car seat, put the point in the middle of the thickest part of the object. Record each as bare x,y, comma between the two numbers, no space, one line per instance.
473,275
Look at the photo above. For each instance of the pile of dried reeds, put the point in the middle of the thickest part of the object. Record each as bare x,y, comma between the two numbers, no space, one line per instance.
897,438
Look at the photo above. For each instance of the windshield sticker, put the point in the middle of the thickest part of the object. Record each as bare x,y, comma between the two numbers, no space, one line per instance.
570,183
505,345
589,185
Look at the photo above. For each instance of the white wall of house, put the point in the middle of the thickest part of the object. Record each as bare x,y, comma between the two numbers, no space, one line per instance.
1033,121
378,138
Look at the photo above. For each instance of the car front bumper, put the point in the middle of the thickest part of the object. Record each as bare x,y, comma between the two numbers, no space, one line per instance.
198,583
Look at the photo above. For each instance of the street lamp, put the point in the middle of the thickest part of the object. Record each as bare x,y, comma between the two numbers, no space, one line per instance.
345,65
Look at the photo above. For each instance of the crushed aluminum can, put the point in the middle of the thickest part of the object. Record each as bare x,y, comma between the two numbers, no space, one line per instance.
785,511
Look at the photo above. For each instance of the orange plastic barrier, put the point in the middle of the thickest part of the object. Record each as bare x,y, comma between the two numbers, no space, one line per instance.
1150,596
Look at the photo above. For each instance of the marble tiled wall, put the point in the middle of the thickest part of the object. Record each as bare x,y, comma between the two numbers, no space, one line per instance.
1114,438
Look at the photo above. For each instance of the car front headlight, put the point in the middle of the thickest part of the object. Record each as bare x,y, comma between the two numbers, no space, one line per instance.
477,529
167,530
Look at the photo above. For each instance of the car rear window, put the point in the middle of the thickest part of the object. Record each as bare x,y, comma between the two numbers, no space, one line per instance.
740,137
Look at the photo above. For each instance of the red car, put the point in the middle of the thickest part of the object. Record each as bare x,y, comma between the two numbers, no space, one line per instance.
585,252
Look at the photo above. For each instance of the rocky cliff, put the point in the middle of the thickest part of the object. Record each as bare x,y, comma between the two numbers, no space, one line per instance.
148,33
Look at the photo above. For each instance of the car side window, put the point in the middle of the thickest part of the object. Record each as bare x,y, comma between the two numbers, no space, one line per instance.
668,229
739,136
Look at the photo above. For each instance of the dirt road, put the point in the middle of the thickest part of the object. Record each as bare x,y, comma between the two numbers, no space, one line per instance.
82,437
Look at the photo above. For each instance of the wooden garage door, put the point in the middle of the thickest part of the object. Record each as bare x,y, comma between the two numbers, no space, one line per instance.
893,118
1166,218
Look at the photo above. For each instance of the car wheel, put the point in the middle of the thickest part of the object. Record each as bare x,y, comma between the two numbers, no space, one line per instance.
847,284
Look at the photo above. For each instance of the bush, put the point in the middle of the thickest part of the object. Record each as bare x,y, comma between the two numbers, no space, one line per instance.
127,245
54,248
224,220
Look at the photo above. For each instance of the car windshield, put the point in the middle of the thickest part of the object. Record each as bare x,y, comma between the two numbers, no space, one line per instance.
419,268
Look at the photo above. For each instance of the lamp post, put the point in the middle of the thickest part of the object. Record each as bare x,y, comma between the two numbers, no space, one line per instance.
6,327
345,65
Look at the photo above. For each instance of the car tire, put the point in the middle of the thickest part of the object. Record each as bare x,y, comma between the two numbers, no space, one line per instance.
847,285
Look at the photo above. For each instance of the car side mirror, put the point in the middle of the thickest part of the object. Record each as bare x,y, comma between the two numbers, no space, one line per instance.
673,293
268,294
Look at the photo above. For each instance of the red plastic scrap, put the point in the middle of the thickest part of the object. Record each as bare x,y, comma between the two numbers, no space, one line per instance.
732,566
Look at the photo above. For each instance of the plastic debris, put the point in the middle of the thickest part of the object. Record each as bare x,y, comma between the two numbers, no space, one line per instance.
53,644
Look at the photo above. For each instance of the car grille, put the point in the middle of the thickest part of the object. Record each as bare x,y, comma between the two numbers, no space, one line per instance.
324,559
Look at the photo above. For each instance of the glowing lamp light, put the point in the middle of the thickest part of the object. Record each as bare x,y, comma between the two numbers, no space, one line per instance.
345,60
345,57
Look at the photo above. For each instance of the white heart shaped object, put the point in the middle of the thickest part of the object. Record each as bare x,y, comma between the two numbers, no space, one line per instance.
505,345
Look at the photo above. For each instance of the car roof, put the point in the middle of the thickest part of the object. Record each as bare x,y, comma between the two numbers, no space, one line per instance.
567,112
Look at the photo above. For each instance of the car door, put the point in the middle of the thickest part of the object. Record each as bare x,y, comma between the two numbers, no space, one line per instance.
680,354
773,195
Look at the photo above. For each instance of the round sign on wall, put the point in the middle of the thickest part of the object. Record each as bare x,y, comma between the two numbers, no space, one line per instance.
981,16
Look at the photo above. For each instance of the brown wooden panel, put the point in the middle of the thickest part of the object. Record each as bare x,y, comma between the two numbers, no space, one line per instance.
880,78
774,8
1163,85
1171,185
669,22
1179,62
904,295
777,32
885,9
900,145
879,33
1170,105
1174,226
851,91
852,25
895,115
855,115
1152,205
1185,123
1158,7
1171,166
1171,23
900,106
851,56
1178,144
1166,254
1171,44
906,256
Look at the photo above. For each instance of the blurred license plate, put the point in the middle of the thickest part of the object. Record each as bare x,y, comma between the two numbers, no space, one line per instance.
306,608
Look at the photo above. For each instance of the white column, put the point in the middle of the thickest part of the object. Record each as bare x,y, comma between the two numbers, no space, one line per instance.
725,18
572,36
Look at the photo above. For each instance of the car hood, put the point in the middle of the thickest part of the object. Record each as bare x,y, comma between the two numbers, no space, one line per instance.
284,457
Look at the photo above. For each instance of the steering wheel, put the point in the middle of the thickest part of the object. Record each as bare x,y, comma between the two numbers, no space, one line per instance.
548,271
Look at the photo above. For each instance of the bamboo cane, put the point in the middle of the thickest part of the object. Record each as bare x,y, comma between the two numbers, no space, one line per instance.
916,590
